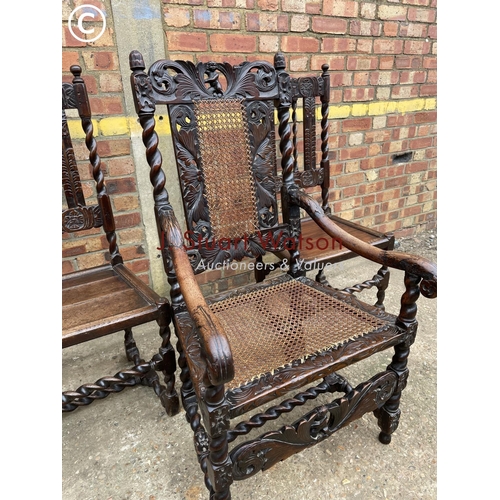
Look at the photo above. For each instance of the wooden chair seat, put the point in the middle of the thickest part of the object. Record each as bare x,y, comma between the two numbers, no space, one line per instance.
103,300
284,323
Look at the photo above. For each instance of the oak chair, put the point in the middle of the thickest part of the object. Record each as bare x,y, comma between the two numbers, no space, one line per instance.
249,346
316,251
110,298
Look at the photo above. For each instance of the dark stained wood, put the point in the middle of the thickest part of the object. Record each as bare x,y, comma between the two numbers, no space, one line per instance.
315,171
218,350
110,298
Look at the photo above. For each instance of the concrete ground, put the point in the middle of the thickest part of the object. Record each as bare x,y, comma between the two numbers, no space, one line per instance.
126,448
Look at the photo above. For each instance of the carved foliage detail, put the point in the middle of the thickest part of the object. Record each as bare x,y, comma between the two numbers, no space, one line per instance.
205,80
263,156
271,447
79,218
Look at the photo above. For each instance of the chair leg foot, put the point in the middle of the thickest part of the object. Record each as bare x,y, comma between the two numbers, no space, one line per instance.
384,438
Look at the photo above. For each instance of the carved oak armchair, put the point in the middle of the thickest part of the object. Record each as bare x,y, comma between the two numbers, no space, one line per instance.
249,346
110,298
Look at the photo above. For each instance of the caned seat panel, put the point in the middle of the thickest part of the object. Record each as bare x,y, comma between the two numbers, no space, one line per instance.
272,327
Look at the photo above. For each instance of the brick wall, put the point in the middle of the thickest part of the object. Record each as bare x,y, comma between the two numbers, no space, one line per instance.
382,57
101,72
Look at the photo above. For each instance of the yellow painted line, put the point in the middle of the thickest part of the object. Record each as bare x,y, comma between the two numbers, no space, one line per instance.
126,125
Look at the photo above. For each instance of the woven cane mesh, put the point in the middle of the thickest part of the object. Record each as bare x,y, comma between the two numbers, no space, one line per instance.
271,327
227,167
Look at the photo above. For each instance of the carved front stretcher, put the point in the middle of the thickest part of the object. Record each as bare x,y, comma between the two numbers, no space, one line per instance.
266,341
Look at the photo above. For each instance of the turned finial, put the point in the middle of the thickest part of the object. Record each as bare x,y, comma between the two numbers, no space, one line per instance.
76,70
279,61
136,61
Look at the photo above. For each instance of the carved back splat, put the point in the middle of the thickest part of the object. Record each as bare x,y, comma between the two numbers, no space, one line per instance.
80,216
216,190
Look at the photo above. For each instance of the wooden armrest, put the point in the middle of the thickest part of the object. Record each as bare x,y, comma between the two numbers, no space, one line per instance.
409,263
220,366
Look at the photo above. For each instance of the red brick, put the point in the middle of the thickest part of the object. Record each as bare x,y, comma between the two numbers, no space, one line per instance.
90,83
417,47
127,220
391,28
361,78
416,166
388,195
386,62
384,77
267,4
393,171
120,166
356,124
430,62
377,162
106,105
377,136
388,46
432,31
365,28
416,30
233,43
361,94
138,266
395,181
177,17
329,25
191,42
421,15
68,59
125,203
102,60
120,186
412,77
133,252
340,8
365,46
407,62
373,187
113,147
426,117
351,179
426,90
338,45
299,44
424,142
110,82
68,40
67,267
73,250
404,91
409,211
362,62
335,62
267,22
216,19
